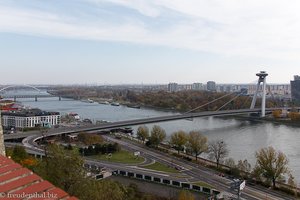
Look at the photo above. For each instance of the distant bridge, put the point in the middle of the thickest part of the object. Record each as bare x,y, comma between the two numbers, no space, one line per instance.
20,86
17,96
35,97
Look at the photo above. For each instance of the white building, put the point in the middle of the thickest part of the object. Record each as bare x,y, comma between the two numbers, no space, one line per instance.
283,90
29,119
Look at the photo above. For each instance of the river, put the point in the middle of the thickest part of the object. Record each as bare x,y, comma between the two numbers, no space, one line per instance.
242,137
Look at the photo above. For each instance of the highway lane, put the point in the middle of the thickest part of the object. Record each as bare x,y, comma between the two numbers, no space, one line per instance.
114,166
201,173
195,171
134,169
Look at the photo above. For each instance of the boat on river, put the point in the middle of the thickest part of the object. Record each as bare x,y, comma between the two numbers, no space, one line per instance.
88,101
133,106
115,104
103,102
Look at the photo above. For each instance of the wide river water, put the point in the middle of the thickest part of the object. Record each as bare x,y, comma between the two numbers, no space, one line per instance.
242,137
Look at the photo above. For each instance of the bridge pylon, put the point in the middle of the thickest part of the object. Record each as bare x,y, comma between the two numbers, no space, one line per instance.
262,79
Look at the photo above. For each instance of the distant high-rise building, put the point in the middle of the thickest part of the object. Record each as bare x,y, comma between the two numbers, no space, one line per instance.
197,86
244,91
228,88
295,88
2,147
172,87
186,87
211,86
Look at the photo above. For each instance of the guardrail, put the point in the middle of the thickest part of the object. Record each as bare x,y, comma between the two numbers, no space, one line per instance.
168,182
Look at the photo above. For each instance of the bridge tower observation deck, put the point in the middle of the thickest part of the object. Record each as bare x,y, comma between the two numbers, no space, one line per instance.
262,79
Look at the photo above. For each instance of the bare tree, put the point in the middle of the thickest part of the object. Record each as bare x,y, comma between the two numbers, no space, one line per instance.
244,165
197,143
230,162
271,164
218,150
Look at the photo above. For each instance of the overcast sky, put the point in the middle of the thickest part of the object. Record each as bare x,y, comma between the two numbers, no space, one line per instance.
148,41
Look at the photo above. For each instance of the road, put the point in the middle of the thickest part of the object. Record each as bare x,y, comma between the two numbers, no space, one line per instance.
189,168
193,171
201,173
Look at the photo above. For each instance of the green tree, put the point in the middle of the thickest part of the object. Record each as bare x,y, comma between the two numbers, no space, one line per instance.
218,150
197,143
64,169
271,164
179,139
157,135
89,138
142,133
19,153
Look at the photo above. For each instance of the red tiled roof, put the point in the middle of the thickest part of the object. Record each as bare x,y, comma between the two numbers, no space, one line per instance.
17,182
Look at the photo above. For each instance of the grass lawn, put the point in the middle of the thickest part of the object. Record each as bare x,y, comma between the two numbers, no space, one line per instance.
122,156
202,184
161,167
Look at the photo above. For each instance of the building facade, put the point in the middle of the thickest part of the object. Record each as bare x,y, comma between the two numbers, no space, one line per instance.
197,86
30,119
283,90
295,88
172,87
211,86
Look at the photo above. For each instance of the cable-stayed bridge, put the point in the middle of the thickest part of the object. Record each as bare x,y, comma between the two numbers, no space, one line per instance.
125,123
187,115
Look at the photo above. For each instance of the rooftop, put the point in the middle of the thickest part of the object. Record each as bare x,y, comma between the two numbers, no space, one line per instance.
29,113
17,182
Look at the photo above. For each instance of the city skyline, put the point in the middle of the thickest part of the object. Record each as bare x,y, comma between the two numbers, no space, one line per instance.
150,42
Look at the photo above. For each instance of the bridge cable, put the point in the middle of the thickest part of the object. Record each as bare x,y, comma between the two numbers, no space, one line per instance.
272,95
248,98
221,98
209,103
230,101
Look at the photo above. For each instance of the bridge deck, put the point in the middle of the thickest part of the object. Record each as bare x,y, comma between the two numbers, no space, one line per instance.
142,121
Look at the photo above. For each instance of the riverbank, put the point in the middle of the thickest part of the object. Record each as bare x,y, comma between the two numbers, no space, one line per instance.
243,136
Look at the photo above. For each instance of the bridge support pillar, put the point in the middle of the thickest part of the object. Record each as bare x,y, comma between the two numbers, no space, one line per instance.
59,98
262,79
35,98
15,98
